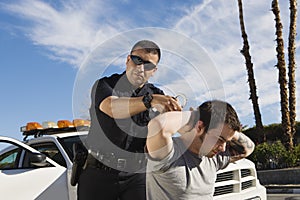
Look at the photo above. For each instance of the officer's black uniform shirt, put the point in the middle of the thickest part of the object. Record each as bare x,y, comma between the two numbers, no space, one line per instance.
112,135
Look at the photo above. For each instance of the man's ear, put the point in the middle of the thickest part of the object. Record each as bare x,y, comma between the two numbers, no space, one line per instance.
128,58
199,127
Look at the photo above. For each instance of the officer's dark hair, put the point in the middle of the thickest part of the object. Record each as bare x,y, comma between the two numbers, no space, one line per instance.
214,112
148,46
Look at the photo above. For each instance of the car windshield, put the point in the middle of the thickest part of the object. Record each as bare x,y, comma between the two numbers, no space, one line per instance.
68,143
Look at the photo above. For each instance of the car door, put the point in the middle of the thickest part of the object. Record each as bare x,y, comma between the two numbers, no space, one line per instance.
25,175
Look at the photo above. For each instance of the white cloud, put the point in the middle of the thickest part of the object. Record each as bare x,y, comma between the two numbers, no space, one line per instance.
69,32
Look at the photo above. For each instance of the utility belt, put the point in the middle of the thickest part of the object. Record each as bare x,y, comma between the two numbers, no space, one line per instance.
111,163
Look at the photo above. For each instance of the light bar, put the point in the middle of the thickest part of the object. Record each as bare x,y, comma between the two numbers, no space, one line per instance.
49,124
81,122
52,126
32,126
64,124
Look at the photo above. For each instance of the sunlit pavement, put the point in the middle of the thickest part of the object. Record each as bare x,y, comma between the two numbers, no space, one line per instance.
283,192
283,196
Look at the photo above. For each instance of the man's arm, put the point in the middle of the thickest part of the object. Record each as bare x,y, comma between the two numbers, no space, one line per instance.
241,146
160,130
124,107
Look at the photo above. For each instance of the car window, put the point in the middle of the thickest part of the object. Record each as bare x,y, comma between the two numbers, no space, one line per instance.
9,158
50,150
68,143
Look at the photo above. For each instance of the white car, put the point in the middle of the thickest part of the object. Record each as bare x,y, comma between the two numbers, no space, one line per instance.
238,181
40,168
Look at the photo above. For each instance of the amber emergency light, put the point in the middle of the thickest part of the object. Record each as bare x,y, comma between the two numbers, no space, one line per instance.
34,128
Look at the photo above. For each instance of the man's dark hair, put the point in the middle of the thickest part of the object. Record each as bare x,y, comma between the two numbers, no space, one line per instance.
148,46
214,112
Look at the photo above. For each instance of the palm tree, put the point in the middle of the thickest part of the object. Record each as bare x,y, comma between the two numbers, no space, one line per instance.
285,118
249,66
292,65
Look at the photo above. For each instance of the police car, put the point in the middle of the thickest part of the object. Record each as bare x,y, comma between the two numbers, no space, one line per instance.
40,167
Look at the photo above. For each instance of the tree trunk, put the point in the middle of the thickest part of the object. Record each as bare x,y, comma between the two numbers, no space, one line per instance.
292,65
249,66
285,119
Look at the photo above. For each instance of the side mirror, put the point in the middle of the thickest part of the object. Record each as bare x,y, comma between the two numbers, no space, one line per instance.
38,159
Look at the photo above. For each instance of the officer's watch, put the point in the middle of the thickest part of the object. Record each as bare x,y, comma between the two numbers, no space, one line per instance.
147,100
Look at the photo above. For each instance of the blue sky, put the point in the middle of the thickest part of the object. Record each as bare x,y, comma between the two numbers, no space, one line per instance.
48,50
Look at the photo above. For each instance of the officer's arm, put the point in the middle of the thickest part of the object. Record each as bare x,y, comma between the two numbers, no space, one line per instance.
124,107
160,130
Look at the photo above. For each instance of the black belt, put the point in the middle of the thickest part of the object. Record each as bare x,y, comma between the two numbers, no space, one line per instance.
109,162
92,162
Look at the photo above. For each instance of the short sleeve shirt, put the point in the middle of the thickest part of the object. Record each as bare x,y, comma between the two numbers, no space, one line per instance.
109,135
183,175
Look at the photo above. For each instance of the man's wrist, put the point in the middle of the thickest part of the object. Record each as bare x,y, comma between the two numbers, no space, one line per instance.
236,136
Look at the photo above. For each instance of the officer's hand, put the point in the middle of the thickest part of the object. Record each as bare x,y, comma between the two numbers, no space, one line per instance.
165,103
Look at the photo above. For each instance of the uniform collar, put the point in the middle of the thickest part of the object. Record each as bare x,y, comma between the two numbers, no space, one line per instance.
126,85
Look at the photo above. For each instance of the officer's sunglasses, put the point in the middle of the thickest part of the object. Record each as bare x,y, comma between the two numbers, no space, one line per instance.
138,61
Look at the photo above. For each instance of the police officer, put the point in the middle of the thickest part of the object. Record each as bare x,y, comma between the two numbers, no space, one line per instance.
122,105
